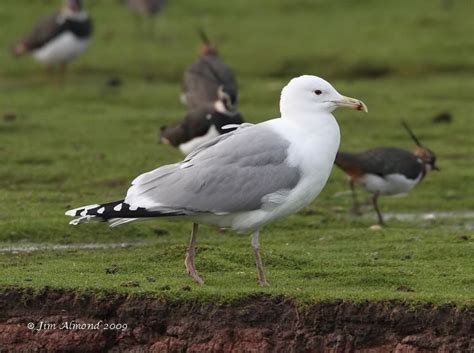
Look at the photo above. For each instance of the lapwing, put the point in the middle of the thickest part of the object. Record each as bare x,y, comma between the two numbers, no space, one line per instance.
146,7
209,79
199,126
386,170
60,38
146,11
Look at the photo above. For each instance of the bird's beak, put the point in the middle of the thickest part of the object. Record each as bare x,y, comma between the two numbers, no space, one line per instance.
351,103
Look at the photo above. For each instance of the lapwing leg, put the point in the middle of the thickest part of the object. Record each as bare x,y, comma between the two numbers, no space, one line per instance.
138,25
189,261
355,203
60,74
262,281
151,27
376,207
48,74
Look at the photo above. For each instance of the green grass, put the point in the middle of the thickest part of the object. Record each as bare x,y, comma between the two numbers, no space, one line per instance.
308,264
83,142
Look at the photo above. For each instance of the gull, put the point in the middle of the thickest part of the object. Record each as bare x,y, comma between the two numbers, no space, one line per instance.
244,179
386,170
60,38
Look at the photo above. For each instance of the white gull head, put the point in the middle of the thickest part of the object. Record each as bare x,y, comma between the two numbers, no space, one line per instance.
311,94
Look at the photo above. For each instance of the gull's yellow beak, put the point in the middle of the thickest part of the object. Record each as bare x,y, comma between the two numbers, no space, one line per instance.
352,103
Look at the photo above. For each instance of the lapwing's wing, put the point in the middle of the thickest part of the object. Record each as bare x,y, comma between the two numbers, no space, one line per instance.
380,161
197,123
47,29
203,79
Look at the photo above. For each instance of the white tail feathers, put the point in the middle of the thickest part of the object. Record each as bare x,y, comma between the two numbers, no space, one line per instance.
114,222
85,219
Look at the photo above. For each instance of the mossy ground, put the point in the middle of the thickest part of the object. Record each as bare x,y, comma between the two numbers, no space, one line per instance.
83,141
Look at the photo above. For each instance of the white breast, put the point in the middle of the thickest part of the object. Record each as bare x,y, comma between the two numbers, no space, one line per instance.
391,184
189,146
313,150
61,49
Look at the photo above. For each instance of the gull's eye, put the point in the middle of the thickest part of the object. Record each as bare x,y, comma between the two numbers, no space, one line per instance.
318,92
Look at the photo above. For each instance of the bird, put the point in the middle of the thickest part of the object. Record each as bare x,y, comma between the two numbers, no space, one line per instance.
209,79
386,170
147,10
60,38
146,7
244,179
199,126
210,93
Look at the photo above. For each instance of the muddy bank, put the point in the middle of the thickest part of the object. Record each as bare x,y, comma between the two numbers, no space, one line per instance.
65,321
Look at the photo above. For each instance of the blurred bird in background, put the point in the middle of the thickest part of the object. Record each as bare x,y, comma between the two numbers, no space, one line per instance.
146,7
199,125
209,79
60,38
210,92
386,170
148,10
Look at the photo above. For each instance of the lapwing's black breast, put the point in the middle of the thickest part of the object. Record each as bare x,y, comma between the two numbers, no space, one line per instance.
220,120
390,160
81,29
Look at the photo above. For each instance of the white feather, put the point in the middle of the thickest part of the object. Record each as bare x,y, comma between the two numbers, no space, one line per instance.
61,49
391,184
73,212
189,146
114,222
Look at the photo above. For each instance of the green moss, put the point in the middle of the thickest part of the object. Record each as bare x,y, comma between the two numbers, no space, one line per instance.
83,142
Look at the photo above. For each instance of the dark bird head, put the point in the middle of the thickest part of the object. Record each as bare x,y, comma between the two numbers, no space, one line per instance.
173,135
19,49
427,156
207,48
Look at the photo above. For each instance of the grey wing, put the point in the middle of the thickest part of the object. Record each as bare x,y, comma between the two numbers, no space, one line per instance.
202,147
236,173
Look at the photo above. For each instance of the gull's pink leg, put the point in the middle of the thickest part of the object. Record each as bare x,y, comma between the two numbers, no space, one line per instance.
189,261
262,281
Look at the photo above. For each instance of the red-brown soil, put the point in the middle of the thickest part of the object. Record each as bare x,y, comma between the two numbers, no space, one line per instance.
255,324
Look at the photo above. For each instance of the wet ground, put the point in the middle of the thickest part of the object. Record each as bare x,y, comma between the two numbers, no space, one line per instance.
15,249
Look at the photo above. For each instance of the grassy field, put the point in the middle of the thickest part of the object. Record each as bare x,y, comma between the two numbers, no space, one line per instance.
84,141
